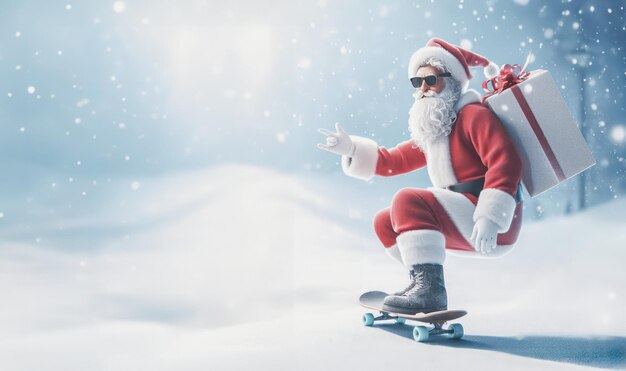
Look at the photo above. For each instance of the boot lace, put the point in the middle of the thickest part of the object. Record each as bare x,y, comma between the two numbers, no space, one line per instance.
410,285
418,280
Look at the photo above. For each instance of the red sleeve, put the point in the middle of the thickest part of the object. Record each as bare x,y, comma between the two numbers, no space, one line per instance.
401,159
496,151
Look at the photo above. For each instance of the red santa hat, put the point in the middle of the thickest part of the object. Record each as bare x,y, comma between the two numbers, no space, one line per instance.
456,60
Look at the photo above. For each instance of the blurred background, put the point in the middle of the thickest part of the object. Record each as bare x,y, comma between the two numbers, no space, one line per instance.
96,95
135,128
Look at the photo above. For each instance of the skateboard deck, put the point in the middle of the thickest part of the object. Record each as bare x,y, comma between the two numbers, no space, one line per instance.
374,300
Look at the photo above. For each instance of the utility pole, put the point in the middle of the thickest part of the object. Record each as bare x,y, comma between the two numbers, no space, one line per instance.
583,128
580,58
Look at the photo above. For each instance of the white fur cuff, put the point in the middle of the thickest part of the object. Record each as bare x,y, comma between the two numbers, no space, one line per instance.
422,247
362,165
496,205
394,253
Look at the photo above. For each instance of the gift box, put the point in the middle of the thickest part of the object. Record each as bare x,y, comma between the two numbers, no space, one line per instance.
544,132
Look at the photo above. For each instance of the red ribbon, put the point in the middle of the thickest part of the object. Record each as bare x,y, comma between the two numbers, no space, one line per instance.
539,134
509,76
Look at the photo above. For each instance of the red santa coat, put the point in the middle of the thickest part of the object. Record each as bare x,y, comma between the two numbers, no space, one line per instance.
478,146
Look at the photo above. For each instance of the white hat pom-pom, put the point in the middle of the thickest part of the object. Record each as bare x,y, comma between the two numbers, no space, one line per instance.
492,70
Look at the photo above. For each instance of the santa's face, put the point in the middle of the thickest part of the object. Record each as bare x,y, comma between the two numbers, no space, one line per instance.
432,115
431,71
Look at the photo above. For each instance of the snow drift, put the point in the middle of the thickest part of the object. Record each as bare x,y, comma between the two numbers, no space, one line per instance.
237,267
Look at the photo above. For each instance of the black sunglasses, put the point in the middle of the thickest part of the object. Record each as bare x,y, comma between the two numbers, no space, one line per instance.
430,80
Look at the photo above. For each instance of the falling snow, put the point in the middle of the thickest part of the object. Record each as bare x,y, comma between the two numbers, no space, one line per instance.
152,88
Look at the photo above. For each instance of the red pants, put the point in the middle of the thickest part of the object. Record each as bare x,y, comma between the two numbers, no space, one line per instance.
415,209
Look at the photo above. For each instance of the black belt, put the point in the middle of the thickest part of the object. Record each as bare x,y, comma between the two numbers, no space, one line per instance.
474,187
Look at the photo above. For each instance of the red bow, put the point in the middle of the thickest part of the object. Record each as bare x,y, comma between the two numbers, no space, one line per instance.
509,76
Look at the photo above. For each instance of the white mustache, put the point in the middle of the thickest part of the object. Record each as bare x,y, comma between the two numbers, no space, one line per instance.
420,94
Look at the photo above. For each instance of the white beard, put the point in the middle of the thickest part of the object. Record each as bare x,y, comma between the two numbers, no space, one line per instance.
432,116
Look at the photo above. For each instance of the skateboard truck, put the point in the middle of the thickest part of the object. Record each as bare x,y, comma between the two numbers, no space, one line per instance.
369,319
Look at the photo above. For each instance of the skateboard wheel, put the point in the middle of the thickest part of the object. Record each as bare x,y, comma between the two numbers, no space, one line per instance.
400,320
368,319
457,329
420,333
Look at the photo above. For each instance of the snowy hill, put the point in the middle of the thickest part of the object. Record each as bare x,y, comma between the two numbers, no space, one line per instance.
239,267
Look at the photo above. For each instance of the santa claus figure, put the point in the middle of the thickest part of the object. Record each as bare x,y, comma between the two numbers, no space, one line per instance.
474,207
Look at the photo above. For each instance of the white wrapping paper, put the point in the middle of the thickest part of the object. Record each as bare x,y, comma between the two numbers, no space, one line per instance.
551,146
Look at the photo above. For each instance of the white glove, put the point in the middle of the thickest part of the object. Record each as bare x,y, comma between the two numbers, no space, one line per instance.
484,235
338,143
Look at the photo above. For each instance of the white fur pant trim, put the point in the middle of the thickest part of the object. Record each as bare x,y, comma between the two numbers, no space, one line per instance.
422,247
394,253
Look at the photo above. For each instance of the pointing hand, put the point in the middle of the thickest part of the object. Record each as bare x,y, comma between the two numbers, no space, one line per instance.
338,143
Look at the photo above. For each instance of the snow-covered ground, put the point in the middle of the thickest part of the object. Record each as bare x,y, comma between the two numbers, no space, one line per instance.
239,268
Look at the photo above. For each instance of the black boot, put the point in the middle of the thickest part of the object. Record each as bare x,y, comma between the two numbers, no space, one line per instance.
428,293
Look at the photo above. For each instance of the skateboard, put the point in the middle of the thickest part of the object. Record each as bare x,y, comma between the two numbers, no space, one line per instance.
374,300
